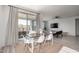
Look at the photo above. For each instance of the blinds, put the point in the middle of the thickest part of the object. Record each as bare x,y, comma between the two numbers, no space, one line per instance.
22,16
31,17
26,15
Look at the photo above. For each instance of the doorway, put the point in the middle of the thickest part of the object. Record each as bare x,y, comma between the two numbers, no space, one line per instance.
77,26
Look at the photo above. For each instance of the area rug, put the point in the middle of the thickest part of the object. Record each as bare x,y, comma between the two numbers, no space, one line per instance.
65,49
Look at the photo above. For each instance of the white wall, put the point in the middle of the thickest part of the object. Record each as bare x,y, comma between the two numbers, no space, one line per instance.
68,25
4,12
65,24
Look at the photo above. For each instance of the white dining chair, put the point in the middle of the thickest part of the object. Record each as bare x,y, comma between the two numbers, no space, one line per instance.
28,41
40,41
49,38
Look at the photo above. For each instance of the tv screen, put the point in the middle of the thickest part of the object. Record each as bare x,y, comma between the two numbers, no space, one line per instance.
54,25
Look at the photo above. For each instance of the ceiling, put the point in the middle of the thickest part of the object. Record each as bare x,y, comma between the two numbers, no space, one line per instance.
55,10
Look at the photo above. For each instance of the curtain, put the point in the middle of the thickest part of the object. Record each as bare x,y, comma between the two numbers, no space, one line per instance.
12,26
38,22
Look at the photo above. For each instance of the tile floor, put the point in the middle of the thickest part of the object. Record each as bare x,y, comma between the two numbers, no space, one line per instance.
69,41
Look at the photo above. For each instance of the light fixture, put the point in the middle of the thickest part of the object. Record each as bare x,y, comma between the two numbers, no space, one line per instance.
56,17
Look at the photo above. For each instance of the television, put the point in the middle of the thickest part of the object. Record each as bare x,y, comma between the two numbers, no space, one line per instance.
54,25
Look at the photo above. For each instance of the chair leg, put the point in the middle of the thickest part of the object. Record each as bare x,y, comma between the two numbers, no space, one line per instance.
24,47
38,47
42,44
48,43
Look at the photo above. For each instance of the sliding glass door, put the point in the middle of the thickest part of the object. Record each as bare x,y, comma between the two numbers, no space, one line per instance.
26,23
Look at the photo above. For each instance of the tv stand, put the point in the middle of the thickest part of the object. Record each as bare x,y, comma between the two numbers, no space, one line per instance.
56,32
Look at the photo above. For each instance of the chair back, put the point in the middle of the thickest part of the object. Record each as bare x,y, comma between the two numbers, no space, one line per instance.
41,39
49,37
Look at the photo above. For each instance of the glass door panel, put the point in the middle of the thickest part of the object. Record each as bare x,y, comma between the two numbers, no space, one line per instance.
32,22
22,25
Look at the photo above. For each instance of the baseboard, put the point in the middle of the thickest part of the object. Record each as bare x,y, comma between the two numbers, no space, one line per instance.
69,35
77,35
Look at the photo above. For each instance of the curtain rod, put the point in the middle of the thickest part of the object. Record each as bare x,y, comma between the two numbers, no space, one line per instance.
23,9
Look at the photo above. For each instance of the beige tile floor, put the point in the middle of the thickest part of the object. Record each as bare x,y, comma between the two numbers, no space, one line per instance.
69,41
46,48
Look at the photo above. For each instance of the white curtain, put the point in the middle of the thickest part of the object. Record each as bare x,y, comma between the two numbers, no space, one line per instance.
12,25
38,22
